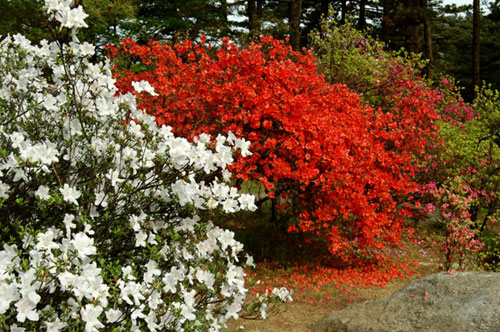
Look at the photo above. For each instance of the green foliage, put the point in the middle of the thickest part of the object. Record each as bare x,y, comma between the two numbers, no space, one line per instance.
25,17
472,150
489,257
353,57
390,82
179,20
452,36
106,19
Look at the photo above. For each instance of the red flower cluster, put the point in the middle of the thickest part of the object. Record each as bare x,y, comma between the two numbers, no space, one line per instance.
315,146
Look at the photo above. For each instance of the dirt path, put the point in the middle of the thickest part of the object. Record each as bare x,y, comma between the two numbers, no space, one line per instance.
300,315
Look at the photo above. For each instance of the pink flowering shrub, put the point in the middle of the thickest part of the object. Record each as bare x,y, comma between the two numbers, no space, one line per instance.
454,200
462,173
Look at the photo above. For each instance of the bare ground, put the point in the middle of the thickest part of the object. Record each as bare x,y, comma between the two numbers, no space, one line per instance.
301,314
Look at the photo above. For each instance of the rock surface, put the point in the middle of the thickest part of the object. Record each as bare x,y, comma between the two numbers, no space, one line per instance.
458,302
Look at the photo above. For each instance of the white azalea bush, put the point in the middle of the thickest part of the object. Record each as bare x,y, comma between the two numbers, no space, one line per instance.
102,209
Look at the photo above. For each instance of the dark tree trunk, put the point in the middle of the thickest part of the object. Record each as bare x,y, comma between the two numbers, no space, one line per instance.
343,11
362,14
476,44
224,16
387,20
413,22
254,12
428,41
324,7
260,4
295,15
252,17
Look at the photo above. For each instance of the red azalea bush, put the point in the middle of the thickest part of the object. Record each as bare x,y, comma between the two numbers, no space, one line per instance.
454,145
316,148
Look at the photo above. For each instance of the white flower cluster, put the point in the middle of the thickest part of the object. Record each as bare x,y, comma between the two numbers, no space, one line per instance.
100,206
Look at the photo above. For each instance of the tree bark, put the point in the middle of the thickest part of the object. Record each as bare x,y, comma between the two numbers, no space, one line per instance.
428,41
413,22
387,20
224,17
476,44
254,13
260,4
324,7
295,15
252,19
362,14
343,11
251,13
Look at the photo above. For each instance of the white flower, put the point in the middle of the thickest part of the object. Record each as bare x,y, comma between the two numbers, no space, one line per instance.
206,277
53,5
67,280
247,202
226,175
87,49
187,225
212,203
45,241
229,205
68,222
4,189
262,310
21,41
50,103
43,192
206,247
172,278
226,238
131,289
126,171
45,152
72,18
29,286
101,199
135,129
249,261
188,307
233,310
140,239
26,309
55,326
16,138
114,177
8,294
282,293
8,258
127,273
151,271
235,276
244,146
15,328
113,315
90,315
70,194
144,86
84,245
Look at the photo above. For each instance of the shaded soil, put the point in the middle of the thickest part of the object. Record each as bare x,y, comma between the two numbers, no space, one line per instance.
301,314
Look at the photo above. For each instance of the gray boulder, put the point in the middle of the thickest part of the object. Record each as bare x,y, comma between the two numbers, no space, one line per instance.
456,302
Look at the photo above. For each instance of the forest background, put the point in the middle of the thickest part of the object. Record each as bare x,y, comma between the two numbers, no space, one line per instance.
441,31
